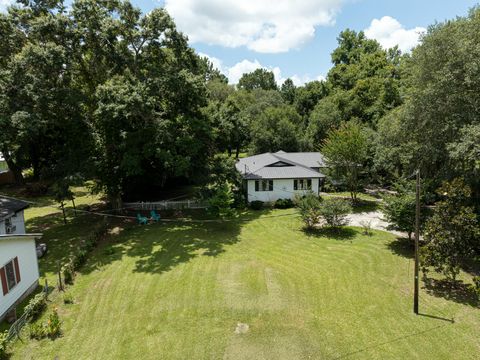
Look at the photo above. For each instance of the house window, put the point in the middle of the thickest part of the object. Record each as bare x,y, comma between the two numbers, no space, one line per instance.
263,185
9,228
302,184
10,275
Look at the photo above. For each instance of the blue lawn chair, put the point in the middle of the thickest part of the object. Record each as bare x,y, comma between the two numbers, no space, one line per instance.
142,220
154,216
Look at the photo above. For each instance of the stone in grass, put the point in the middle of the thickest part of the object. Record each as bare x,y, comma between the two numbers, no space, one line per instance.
241,328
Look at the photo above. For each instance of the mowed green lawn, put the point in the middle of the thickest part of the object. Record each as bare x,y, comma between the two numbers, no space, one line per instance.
178,290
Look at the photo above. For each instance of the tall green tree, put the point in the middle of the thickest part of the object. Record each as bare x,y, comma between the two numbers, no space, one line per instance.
453,232
346,151
288,91
442,96
258,79
277,128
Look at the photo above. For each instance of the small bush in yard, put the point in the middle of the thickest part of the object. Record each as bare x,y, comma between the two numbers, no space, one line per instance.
284,204
256,204
53,327
366,226
68,298
36,306
334,211
3,345
37,331
309,206
69,272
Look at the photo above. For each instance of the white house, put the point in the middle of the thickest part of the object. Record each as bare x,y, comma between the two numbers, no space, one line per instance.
18,269
18,256
281,175
12,220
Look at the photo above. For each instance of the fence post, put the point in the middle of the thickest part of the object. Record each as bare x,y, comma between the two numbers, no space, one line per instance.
46,289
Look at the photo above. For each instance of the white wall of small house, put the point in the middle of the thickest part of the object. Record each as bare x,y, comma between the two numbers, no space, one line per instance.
282,189
24,249
17,220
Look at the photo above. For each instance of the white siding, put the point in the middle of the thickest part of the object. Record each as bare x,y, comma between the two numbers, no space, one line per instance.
24,249
282,189
18,221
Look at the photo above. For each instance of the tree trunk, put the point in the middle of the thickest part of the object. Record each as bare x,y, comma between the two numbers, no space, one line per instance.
16,170
115,201
237,152
74,207
63,211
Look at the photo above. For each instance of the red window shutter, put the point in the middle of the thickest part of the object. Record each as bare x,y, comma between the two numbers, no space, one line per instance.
4,281
17,269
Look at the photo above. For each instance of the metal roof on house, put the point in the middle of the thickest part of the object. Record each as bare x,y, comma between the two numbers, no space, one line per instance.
281,165
10,206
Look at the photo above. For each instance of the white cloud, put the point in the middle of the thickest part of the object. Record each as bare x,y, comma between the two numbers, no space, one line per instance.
267,26
235,72
4,4
389,32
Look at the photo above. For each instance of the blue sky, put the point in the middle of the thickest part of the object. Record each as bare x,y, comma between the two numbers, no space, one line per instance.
310,58
294,38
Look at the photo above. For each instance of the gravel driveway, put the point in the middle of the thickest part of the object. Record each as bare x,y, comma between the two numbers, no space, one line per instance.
376,221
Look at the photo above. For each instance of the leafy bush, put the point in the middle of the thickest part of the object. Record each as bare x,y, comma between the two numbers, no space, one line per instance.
3,345
399,210
476,286
53,327
68,271
256,204
68,298
221,201
334,211
80,258
36,306
37,331
284,204
109,251
309,206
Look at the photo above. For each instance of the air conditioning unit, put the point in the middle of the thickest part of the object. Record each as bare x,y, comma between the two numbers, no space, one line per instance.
10,229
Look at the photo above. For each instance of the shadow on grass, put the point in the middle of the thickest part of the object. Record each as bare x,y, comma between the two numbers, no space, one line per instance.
161,246
436,317
456,291
403,247
363,206
62,240
339,233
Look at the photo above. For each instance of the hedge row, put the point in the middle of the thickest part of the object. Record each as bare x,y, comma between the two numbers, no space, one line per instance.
78,260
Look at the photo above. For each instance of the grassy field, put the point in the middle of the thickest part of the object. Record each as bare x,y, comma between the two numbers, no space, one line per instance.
178,290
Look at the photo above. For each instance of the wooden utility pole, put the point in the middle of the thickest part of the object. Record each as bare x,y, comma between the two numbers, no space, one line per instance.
417,237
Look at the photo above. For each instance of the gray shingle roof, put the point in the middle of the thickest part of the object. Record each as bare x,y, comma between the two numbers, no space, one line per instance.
299,165
9,206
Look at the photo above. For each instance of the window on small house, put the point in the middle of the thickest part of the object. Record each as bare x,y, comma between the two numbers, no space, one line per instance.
302,184
263,185
10,275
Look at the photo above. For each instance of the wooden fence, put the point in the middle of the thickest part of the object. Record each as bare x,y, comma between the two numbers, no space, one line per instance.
165,205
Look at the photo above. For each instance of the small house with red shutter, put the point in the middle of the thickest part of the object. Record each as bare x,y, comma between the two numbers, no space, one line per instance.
18,270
